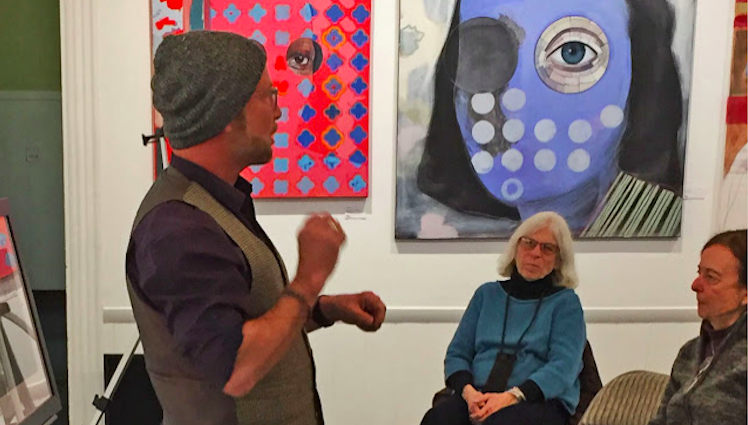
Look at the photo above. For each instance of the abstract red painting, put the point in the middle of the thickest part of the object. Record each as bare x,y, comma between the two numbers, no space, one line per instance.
319,59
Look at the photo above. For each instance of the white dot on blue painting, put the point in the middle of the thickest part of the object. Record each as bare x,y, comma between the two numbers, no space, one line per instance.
512,160
545,130
545,160
482,162
580,131
512,189
514,99
611,116
483,132
483,103
513,130
579,160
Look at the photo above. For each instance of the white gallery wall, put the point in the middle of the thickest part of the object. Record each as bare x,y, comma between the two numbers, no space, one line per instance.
636,293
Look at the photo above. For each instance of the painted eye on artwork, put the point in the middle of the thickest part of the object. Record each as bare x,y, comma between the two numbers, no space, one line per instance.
299,62
304,56
572,55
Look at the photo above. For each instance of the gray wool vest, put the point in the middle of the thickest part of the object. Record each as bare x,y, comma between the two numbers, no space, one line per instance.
285,396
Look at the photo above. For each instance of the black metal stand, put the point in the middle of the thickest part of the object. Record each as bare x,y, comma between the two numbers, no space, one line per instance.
102,402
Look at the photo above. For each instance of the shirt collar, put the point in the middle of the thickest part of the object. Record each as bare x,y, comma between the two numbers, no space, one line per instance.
710,334
233,197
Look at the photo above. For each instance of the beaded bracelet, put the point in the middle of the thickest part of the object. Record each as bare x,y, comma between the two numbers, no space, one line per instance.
288,292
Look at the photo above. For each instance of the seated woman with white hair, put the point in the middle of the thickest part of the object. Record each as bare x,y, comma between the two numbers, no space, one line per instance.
517,352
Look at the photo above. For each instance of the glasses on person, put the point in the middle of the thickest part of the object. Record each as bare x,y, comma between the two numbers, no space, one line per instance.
546,248
274,95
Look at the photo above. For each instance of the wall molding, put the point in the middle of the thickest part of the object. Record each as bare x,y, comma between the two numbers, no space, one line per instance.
405,314
85,368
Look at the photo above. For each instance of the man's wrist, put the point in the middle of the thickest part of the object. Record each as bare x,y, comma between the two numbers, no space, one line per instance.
291,293
306,288
318,316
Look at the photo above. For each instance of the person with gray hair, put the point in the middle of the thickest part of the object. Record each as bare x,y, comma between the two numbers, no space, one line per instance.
708,380
517,353
224,329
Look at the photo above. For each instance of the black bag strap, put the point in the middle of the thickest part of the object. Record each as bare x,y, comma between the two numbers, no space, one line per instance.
504,363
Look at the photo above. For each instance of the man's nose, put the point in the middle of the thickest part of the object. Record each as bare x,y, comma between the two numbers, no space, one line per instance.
697,285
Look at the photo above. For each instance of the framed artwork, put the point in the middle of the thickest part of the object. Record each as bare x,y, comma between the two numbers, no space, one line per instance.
733,207
506,109
28,393
319,59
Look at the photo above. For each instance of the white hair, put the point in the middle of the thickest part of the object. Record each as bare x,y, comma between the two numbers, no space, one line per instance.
565,271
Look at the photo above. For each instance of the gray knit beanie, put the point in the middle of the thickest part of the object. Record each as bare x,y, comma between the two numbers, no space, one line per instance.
202,80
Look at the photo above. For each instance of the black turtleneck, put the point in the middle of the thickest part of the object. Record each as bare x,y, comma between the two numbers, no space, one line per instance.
520,288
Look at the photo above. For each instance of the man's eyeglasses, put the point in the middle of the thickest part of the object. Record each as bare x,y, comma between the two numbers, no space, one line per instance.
546,248
273,95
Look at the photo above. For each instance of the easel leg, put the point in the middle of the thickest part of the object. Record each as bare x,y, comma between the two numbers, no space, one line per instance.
13,402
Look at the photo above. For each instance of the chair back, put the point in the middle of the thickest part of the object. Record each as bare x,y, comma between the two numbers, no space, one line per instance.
629,399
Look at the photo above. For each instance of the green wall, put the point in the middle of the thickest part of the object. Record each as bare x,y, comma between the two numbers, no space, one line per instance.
31,135
30,45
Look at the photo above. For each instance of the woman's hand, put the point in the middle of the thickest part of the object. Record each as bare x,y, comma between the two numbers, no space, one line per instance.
474,399
492,403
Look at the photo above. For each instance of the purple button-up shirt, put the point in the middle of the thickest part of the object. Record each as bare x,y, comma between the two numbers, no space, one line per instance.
181,263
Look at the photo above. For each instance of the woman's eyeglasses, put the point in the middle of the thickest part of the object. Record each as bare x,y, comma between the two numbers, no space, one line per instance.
546,248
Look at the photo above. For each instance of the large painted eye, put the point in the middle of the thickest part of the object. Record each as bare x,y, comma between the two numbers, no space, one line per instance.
572,55
304,56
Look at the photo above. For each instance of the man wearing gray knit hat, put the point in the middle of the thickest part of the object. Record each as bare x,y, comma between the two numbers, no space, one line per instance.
223,327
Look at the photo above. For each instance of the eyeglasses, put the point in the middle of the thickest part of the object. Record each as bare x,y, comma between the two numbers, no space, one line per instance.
274,95
546,248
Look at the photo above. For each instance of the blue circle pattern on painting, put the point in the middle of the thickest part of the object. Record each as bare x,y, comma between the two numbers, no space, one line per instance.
305,138
257,13
308,12
535,120
358,135
232,13
305,163
305,185
331,184
332,112
334,13
332,137
359,86
331,161
357,184
257,185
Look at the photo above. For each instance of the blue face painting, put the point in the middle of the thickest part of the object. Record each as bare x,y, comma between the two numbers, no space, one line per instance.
540,95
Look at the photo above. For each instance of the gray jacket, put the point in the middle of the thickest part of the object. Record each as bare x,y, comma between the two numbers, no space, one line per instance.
714,396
